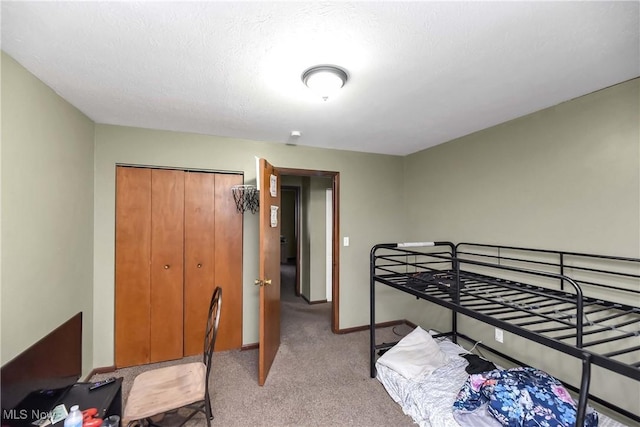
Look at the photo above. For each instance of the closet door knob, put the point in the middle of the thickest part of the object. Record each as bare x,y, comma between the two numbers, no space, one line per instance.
166,267
199,265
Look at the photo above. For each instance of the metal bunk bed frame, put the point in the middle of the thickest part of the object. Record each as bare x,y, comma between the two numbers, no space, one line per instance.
456,277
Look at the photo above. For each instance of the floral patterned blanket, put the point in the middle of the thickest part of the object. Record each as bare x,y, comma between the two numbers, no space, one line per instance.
521,396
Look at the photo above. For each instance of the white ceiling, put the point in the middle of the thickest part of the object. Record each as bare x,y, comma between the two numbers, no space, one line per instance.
421,73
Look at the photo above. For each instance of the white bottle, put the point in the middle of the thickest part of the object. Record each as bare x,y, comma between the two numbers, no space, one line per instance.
74,419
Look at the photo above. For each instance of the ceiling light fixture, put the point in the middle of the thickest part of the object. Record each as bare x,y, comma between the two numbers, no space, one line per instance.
325,80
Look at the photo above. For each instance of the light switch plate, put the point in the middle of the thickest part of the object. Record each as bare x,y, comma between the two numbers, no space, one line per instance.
345,241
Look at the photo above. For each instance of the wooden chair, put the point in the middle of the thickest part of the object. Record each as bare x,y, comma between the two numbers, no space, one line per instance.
180,386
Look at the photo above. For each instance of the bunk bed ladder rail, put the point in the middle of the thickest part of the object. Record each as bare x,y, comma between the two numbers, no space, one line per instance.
584,389
372,297
454,313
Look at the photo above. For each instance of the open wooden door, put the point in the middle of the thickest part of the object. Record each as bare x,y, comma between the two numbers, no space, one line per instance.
269,280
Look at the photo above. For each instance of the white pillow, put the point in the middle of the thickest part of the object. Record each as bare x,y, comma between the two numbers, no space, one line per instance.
415,355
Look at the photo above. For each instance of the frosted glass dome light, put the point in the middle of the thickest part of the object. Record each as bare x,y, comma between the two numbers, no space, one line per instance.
325,80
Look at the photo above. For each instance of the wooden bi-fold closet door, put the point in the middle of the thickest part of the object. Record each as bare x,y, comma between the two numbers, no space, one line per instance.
167,264
177,237
213,257
199,256
228,225
133,272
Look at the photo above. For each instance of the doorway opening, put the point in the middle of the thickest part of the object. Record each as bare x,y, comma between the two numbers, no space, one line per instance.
310,235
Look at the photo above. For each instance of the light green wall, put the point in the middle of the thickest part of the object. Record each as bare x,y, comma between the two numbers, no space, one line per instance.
567,177
365,216
47,213
318,245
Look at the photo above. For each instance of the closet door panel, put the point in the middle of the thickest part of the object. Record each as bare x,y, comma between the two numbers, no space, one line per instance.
228,243
132,273
199,211
167,245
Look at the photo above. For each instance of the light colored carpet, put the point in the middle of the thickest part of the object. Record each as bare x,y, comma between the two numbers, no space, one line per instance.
317,379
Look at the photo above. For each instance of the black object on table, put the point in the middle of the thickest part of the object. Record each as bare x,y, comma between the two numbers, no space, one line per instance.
106,399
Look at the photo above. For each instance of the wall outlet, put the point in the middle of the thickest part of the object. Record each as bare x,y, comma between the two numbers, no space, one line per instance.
499,335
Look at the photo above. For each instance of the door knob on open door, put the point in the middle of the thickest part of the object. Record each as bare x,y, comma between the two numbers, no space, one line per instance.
259,282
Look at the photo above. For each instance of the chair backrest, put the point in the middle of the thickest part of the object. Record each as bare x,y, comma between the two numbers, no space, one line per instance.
212,328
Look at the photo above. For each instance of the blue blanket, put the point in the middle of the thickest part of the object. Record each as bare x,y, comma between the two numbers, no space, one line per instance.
521,397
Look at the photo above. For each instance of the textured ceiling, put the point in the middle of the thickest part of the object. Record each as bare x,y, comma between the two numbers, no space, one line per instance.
421,73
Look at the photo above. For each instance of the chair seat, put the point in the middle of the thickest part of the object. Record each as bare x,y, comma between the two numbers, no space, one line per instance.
161,390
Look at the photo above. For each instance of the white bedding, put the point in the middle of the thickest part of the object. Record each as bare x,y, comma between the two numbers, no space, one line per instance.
429,399
415,355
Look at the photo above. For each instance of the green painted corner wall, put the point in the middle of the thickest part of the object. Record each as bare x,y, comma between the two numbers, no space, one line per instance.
567,177
47,213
